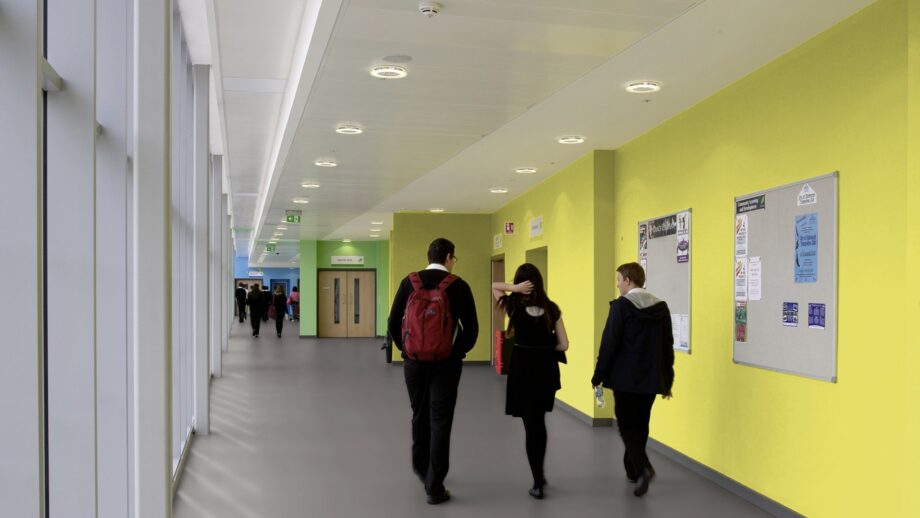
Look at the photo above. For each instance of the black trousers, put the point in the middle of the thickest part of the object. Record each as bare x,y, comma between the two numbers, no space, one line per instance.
241,309
433,395
255,319
633,412
279,323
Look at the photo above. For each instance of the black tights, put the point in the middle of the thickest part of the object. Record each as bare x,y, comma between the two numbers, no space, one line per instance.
535,432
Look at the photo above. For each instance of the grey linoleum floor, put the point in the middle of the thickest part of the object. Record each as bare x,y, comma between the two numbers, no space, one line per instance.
320,428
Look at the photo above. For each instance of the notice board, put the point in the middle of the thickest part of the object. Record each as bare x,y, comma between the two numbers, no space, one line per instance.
785,279
665,254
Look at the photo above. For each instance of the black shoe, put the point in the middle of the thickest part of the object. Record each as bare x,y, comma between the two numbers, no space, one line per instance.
439,499
633,480
257,335
279,335
536,492
642,483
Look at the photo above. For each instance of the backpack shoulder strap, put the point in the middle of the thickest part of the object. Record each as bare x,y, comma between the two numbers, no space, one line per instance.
447,281
416,281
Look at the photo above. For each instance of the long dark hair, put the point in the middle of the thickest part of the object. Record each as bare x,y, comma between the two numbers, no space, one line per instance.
537,297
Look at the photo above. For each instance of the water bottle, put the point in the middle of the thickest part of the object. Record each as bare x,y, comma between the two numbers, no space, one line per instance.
599,397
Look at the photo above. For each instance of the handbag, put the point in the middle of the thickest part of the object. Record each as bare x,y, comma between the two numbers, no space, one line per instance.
271,311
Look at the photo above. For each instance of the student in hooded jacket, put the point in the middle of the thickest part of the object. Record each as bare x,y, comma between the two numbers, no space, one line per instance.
636,361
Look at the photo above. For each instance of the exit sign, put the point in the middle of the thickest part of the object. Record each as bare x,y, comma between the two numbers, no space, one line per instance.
292,218
270,248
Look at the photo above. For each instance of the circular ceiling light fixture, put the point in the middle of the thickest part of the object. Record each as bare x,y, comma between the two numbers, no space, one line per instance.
325,162
349,129
498,190
643,87
302,201
525,170
310,185
436,210
570,139
389,72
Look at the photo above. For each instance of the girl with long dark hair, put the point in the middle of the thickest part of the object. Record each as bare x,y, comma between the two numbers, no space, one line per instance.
533,372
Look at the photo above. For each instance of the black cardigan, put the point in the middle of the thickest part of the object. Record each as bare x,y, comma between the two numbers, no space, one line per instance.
637,349
462,309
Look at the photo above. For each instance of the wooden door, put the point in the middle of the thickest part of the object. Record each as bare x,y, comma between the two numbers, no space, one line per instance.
332,321
362,303
347,303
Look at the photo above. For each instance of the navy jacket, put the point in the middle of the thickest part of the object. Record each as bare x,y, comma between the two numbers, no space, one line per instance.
637,349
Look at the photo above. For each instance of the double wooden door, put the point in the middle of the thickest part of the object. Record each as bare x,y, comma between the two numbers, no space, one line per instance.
347,304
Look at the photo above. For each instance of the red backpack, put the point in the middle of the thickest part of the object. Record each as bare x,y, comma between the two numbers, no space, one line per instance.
427,326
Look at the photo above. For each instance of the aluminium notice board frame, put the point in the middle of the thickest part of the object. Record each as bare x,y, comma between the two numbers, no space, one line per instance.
789,233
666,255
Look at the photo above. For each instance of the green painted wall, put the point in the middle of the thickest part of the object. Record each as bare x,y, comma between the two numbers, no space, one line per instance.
318,255
413,232
576,210
838,102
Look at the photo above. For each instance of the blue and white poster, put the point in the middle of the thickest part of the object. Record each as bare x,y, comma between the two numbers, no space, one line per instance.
806,248
816,316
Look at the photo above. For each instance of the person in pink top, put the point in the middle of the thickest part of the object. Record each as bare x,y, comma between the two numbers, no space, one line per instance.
294,301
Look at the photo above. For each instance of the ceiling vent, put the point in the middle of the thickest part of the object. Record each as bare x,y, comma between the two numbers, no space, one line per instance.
429,9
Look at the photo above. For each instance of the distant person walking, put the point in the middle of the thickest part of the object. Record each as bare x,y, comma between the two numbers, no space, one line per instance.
433,323
266,302
279,300
240,296
535,322
636,361
294,301
256,307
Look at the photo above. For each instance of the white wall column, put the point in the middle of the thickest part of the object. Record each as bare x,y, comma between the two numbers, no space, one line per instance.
21,392
152,275
217,265
70,259
201,291
111,249
227,285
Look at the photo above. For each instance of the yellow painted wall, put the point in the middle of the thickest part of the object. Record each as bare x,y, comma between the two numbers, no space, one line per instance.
839,102
580,272
413,232
912,481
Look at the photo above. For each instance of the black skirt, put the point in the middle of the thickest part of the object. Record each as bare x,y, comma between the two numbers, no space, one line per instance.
533,379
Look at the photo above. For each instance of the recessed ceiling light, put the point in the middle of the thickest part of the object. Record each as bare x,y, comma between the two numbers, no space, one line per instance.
570,139
272,241
498,190
376,223
300,200
525,170
281,227
346,240
325,162
437,210
375,230
643,87
389,72
310,185
349,129
375,235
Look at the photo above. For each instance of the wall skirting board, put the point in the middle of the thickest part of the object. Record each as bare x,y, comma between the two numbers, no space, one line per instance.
774,508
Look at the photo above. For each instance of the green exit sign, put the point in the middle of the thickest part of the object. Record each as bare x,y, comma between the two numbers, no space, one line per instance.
270,248
292,218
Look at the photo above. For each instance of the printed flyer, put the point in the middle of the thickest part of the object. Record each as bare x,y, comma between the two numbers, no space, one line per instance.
791,314
741,235
806,248
741,321
683,237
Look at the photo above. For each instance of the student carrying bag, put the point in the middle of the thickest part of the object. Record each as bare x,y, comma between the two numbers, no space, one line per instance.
427,325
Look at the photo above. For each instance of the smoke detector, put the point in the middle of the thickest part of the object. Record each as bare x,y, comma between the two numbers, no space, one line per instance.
430,9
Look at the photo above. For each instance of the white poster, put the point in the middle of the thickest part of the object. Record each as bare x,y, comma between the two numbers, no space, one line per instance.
497,241
680,329
536,226
683,237
807,196
741,235
741,279
755,276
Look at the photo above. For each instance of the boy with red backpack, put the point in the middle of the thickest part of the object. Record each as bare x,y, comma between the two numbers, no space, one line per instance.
433,324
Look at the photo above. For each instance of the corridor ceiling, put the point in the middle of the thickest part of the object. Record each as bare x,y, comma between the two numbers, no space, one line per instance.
491,85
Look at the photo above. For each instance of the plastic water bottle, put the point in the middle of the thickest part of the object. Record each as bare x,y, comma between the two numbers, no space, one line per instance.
599,397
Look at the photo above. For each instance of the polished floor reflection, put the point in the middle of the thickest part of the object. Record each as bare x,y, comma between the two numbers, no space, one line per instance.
320,428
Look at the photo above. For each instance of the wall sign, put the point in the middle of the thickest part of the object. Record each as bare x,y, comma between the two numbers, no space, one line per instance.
352,260
536,226
497,241
509,228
